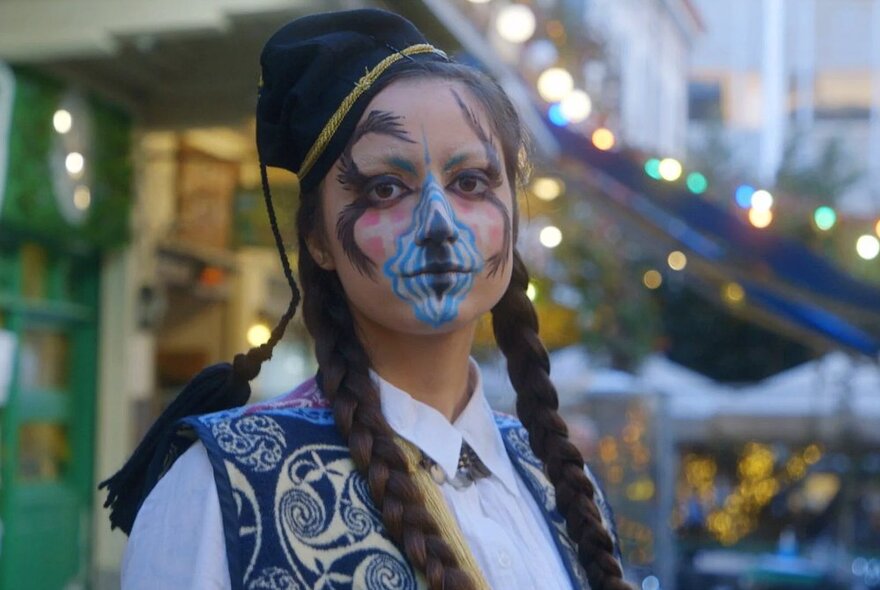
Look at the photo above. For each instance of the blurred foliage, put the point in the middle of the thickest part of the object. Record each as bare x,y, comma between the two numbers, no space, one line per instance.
820,180
618,317
705,336
30,204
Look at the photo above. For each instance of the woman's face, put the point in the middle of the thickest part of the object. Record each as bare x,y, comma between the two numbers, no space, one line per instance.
417,211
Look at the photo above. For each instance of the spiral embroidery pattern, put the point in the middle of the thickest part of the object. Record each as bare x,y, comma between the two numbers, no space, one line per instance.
302,513
274,578
387,572
255,441
328,527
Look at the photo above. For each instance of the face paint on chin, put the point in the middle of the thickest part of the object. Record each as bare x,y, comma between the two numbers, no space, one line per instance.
436,260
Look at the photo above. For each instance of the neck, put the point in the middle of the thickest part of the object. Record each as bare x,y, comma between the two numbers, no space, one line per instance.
432,368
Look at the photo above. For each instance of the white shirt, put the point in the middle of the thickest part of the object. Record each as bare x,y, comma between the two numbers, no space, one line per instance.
177,538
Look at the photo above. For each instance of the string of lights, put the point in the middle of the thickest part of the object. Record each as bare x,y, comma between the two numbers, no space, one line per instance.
568,105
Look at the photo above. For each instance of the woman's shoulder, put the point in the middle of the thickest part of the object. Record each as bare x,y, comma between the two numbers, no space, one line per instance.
304,402
516,439
307,395
260,437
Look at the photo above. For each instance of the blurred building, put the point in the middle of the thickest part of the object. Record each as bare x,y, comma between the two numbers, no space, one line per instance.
134,248
647,46
772,72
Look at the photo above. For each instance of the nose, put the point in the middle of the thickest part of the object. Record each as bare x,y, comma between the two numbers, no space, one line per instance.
438,223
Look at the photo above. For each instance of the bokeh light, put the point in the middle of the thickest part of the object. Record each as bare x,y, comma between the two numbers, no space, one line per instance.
652,279
868,247
554,84
760,218
62,121
877,228
540,55
547,188
74,162
258,334
677,260
670,169
531,291
515,23
824,217
652,168
603,139
82,197
697,183
762,200
576,106
733,293
743,195
556,116
550,236
556,30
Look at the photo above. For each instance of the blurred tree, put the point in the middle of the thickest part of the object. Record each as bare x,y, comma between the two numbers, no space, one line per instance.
705,336
619,319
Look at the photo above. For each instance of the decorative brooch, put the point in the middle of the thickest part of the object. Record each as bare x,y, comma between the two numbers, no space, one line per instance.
470,468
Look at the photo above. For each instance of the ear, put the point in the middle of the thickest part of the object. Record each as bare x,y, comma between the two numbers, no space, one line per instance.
319,251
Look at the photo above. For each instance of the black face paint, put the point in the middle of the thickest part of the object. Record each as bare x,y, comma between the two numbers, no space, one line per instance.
499,259
351,178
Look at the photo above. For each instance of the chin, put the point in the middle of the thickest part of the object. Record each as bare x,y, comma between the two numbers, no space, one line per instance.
402,317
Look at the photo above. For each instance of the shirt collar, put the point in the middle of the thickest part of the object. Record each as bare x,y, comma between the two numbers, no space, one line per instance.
441,440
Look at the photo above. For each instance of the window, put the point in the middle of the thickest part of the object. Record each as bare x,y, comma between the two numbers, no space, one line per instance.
704,101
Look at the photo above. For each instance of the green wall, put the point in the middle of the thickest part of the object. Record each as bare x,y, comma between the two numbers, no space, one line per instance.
29,205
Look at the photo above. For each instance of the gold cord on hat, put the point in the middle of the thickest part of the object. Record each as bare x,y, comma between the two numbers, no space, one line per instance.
362,85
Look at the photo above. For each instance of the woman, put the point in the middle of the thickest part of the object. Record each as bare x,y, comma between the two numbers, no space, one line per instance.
388,470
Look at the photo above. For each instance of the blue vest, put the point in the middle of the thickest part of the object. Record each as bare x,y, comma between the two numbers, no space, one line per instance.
298,515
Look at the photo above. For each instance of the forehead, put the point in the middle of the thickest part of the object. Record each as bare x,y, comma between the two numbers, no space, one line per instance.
430,111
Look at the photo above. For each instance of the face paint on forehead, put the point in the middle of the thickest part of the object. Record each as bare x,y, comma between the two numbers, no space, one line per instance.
351,178
498,260
437,258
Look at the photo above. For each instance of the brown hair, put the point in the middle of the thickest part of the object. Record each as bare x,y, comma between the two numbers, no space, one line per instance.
345,364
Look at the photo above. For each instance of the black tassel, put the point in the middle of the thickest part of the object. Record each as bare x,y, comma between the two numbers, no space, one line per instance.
218,387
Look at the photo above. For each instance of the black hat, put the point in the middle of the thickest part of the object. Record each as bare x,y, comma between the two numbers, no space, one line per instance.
318,75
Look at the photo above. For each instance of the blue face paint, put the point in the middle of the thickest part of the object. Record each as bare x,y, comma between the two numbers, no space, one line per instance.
436,259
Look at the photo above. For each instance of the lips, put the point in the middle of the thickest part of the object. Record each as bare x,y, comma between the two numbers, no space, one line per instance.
438,269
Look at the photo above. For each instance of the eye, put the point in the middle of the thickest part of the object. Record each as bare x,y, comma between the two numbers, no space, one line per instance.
471,184
385,190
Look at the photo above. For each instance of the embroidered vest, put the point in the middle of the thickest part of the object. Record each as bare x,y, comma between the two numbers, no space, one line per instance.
297,514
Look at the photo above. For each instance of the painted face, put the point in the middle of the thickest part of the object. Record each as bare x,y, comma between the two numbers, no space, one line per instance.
418,213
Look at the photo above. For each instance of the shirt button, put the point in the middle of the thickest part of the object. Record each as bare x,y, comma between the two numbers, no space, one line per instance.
504,559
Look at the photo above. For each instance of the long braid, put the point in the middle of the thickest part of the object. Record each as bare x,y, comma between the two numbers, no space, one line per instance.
516,331
346,381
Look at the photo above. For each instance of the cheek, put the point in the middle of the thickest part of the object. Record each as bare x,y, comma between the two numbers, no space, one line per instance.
377,230
485,221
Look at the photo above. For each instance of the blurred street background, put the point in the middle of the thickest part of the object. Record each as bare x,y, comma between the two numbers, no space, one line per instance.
702,224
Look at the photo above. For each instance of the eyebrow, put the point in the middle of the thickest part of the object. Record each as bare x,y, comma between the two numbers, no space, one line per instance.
456,160
401,164
382,123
